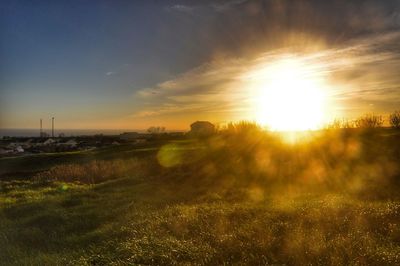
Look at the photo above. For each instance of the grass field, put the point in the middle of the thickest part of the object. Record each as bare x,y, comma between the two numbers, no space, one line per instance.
240,197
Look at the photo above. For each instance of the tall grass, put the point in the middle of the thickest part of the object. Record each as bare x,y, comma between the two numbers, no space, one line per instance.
244,154
93,172
243,196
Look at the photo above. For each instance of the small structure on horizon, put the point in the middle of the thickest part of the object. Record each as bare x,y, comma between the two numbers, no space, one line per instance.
19,149
5,151
202,128
129,135
49,142
71,143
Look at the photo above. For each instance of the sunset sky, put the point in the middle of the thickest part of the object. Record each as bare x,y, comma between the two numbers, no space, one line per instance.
135,64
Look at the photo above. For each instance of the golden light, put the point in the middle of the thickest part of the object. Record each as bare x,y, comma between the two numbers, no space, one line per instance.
289,94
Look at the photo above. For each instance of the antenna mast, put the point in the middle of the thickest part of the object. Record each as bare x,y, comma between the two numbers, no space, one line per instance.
52,127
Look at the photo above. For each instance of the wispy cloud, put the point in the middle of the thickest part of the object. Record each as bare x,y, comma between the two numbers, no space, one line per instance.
181,8
217,6
213,7
220,7
363,74
110,73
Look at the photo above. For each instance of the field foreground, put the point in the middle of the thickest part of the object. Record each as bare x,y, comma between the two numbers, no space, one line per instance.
179,204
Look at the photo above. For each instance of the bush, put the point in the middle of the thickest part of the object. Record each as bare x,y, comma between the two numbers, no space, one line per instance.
394,119
340,123
243,127
369,121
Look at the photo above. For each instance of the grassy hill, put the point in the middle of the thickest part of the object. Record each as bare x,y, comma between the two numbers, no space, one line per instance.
242,197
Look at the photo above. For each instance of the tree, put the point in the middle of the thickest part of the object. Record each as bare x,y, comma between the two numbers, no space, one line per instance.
394,119
156,130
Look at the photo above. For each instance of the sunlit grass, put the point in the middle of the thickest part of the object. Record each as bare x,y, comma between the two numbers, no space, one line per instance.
243,196
120,221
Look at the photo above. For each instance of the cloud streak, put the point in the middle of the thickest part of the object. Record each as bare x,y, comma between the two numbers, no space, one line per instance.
110,73
362,75
181,8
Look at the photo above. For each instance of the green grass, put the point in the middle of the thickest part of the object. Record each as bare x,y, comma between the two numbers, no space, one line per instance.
213,202
133,221
26,166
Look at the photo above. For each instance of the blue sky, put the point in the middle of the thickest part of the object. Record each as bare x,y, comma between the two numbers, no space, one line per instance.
76,55
91,63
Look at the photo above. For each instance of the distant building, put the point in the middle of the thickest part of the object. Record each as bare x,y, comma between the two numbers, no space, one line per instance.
49,142
12,145
202,128
72,143
27,144
5,151
129,136
19,149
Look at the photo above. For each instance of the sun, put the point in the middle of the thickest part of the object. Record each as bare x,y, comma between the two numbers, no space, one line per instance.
289,95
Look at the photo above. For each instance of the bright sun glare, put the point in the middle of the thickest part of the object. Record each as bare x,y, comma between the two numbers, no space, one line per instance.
289,95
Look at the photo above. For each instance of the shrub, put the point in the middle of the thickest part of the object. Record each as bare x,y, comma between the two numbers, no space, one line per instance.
340,123
243,127
394,119
369,121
